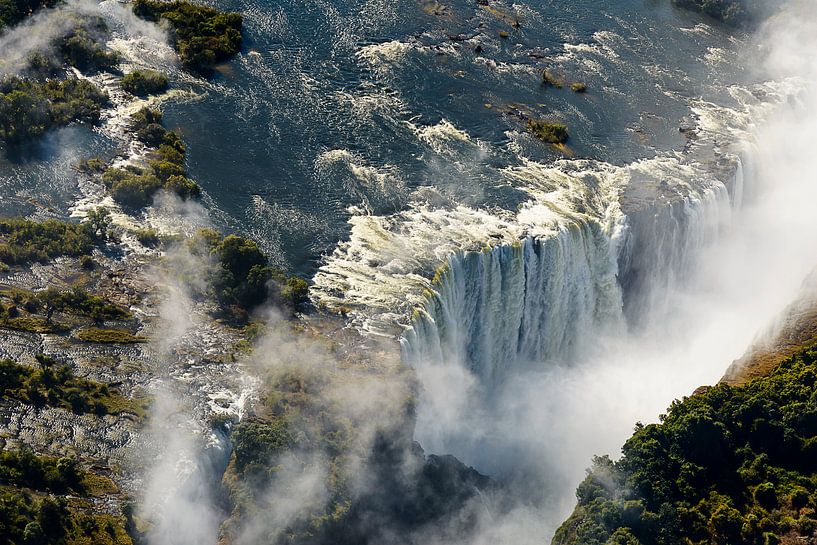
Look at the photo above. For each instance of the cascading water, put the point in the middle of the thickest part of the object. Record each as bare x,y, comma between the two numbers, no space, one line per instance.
531,301
662,244
501,316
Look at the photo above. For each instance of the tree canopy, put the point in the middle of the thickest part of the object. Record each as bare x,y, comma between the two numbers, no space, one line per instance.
728,465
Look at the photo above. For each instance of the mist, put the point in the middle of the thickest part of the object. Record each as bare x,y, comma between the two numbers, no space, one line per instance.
39,33
538,429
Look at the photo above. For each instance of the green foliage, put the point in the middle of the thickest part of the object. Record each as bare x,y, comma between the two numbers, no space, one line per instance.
549,79
24,468
14,11
82,46
32,324
75,301
257,442
578,87
28,109
108,336
99,222
132,186
552,133
24,241
55,385
136,186
203,35
38,518
145,82
147,237
729,465
79,301
241,276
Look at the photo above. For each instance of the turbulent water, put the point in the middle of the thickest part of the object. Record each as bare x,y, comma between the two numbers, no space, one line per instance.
380,148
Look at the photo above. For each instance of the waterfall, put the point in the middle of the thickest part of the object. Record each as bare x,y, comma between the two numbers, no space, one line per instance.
508,315
532,301
543,299
661,245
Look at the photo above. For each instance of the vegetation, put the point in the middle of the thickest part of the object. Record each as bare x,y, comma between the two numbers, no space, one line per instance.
24,468
549,79
28,108
14,11
299,421
728,465
109,336
31,518
55,385
145,82
24,241
578,87
32,324
203,36
552,133
73,301
147,237
135,186
82,49
241,276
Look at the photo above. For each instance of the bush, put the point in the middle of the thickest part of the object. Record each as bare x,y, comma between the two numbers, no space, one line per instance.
28,109
24,241
79,301
14,11
82,49
552,133
108,336
145,82
132,187
41,518
730,465
56,385
136,186
241,276
147,237
203,36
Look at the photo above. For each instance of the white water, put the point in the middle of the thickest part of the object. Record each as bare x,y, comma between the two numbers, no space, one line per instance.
532,301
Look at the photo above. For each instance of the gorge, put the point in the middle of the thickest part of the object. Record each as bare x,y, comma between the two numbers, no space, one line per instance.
435,313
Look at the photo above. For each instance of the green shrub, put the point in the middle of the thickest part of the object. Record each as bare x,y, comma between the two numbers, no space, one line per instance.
108,336
552,133
39,518
28,109
132,187
24,241
79,301
203,36
729,465
14,11
147,237
241,276
83,49
56,385
145,82
136,186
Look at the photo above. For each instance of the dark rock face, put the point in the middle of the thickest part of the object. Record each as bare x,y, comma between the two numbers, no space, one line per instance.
414,495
